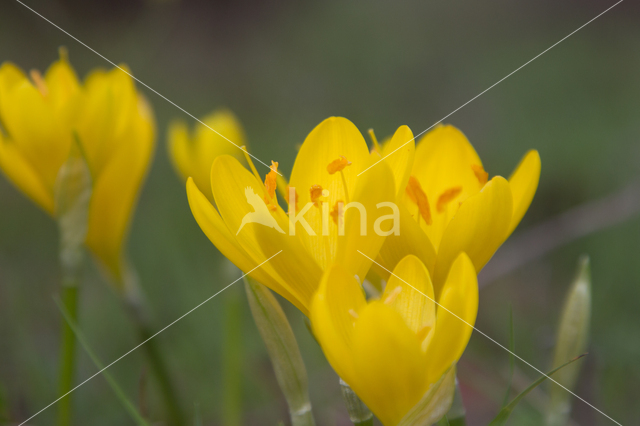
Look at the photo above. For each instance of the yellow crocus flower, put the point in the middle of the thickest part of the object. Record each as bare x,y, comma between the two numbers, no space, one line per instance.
41,117
193,154
449,204
393,352
319,185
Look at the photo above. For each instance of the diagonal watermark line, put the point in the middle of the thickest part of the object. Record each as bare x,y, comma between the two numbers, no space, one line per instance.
496,342
148,87
145,341
492,86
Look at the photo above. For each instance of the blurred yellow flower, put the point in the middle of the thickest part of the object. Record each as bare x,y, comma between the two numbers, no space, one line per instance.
394,350
40,118
450,206
310,241
193,154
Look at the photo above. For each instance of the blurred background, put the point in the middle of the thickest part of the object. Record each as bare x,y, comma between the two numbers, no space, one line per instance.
282,67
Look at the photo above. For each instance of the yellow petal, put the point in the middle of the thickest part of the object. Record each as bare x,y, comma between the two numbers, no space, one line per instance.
180,155
334,311
412,240
455,317
524,182
334,137
409,291
62,85
238,194
210,144
216,230
390,367
109,101
444,159
36,131
20,173
194,155
374,187
479,227
115,192
400,151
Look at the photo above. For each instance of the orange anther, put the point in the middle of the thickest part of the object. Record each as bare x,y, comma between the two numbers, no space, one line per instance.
41,85
270,180
315,193
338,165
336,210
481,175
417,195
446,197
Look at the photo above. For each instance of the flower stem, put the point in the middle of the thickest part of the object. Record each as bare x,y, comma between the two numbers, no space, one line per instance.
134,302
67,353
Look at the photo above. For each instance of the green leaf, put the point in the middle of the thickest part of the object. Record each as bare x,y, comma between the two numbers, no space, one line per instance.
512,358
283,350
572,339
120,394
504,414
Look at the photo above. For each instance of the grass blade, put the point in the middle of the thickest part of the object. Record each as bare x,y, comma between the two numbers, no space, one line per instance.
512,359
120,394
504,414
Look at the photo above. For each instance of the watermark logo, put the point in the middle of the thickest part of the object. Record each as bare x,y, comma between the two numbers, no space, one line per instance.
261,214
334,216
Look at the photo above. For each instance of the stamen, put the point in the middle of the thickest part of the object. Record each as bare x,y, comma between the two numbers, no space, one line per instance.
315,193
270,180
376,145
39,82
417,195
354,314
336,210
393,295
338,165
446,197
481,175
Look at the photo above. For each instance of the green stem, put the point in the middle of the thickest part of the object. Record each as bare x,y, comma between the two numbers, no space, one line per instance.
134,302
161,373
68,352
368,422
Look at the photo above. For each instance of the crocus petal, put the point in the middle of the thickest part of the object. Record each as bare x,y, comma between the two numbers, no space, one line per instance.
373,187
216,230
63,86
115,192
412,240
44,141
398,153
334,137
210,144
334,311
409,291
455,317
479,227
390,367
180,153
109,102
524,182
233,187
444,161
20,173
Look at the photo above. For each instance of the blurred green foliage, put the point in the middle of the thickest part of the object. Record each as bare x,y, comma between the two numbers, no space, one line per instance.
282,67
